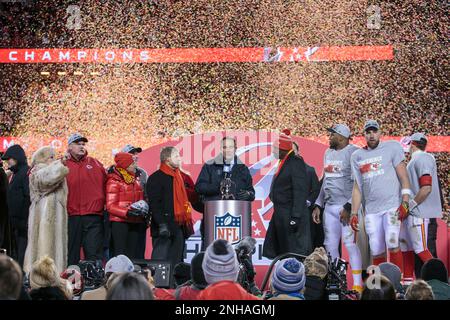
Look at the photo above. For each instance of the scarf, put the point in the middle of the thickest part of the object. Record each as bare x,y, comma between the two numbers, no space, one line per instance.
128,177
181,205
281,162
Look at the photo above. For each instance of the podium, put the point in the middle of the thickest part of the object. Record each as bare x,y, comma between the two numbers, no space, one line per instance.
230,220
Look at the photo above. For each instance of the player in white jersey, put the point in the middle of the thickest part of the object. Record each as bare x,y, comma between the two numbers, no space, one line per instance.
424,205
335,198
382,186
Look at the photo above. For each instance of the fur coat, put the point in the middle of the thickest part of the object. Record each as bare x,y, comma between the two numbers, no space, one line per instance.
47,223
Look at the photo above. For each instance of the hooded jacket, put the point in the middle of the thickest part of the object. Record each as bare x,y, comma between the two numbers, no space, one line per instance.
18,191
5,236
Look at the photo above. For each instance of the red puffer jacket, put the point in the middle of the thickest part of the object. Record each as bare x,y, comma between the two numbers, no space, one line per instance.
119,197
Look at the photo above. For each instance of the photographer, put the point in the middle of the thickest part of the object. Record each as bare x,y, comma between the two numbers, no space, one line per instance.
316,269
220,267
246,277
384,291
114,266
126,207
288,280
192,289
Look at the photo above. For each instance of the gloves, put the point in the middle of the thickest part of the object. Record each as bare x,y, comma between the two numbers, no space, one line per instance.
164,231
354,222
403,211
294,224
244,195
133,213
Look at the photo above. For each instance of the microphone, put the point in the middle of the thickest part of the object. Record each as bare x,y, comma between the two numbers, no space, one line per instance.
246,245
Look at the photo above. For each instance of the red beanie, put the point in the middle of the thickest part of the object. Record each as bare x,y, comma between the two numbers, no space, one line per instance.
123,160
284,140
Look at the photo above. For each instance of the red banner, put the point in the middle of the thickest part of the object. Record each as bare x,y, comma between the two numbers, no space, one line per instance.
435,143
197,55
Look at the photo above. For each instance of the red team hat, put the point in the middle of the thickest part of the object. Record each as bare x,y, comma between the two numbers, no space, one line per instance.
123,160
284,141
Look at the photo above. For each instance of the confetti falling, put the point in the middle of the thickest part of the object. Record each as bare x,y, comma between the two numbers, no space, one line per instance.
147,103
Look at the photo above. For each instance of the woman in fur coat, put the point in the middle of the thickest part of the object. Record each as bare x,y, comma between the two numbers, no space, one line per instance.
47,231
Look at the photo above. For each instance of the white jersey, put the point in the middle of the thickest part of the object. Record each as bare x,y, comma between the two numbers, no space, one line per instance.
423,163
337,182
374,172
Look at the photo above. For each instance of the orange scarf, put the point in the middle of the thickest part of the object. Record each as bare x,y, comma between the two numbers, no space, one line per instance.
181,205
282,162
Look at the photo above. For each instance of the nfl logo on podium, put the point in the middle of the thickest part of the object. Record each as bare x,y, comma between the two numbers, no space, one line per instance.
228,227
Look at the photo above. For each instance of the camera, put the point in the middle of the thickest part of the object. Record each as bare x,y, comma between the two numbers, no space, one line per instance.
336,288
92,273
246,276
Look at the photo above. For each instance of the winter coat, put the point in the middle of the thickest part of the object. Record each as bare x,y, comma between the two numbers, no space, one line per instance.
288,193
313,184
225,290
163,294
5,235
160,197
208,181
315,288
188,292
47,293
86,182
47,223
120,196
18,191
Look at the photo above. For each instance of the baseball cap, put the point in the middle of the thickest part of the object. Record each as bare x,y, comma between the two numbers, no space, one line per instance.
371,124
418,137
120,263
341,129
75,137
129,149
393,273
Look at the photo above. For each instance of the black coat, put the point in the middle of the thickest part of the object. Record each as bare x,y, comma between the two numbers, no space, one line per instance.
47,293
313,184
160,194
315,288
208,181
5,238
289,192
19,189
